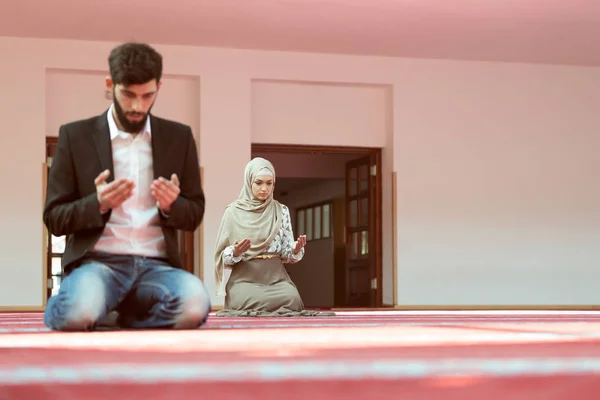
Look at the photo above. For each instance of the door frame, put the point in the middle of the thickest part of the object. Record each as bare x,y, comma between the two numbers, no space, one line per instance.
376,153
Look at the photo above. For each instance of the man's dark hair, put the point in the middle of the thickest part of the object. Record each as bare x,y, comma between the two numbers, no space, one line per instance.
134,64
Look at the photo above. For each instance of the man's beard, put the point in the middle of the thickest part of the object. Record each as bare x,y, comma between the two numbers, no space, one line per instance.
130,126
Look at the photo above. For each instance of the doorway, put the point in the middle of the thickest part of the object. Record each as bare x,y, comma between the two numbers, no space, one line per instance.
334,197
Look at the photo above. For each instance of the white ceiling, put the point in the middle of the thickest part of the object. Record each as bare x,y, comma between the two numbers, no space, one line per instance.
537,31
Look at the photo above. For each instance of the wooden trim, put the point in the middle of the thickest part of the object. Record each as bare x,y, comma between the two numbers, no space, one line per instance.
201,237
187,246
297,148
394,239
532,307
22,308
44,238
51,142
378,224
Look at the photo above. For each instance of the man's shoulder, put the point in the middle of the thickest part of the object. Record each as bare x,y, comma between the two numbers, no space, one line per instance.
81,125
172,126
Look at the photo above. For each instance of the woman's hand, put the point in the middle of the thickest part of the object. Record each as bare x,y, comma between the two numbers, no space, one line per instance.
299,244
240,248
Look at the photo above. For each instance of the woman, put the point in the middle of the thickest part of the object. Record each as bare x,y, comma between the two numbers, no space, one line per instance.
255,239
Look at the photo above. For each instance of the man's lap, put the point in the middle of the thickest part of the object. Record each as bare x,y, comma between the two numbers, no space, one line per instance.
134,286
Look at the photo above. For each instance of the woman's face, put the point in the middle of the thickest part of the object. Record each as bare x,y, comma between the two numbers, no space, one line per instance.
262,187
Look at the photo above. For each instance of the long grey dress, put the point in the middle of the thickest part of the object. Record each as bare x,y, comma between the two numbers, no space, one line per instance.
262,286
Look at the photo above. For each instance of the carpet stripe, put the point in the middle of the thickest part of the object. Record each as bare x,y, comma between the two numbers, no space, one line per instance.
276,371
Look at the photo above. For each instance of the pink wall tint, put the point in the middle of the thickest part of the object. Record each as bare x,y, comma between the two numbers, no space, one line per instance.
509,30
496,163
312,112
498,190
73,94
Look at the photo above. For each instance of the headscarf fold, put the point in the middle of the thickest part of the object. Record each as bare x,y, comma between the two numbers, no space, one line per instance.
247,217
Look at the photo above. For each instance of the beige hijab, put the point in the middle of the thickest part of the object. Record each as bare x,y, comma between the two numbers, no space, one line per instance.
247,217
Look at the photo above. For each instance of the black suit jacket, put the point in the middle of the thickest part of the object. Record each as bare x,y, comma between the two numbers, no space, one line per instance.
84,150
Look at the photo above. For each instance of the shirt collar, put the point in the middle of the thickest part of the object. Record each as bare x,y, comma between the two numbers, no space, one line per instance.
115,131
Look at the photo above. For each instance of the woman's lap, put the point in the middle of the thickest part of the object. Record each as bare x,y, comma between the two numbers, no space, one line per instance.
268,298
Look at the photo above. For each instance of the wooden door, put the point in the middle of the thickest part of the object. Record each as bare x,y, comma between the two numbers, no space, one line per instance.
360,233
186,243
55,245
186,249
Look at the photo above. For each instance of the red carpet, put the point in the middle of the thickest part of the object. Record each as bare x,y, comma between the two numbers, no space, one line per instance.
355,355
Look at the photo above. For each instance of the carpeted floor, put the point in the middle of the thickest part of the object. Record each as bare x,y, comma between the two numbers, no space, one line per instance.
355,355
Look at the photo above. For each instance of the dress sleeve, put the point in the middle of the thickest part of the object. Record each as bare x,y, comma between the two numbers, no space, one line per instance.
228,258
287,239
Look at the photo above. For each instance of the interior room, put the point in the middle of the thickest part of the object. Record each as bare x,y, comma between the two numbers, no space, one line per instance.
451,146
316,187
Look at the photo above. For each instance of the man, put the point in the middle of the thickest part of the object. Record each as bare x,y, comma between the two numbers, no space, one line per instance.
120,186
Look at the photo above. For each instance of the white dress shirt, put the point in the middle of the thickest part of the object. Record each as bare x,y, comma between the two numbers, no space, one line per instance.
134,227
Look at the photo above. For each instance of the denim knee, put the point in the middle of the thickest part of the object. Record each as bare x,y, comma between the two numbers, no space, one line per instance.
194,310
75,315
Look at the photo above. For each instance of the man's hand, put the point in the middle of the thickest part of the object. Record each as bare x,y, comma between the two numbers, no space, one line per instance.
240,248
165,192
299,244
112,195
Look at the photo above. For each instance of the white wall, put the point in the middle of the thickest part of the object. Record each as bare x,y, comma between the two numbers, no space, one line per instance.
499,200
497,163
314,274
76,94
319,113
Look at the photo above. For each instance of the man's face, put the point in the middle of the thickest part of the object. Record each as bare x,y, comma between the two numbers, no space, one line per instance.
133,104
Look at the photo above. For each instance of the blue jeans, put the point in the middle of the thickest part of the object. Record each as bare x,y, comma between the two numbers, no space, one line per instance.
147,294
